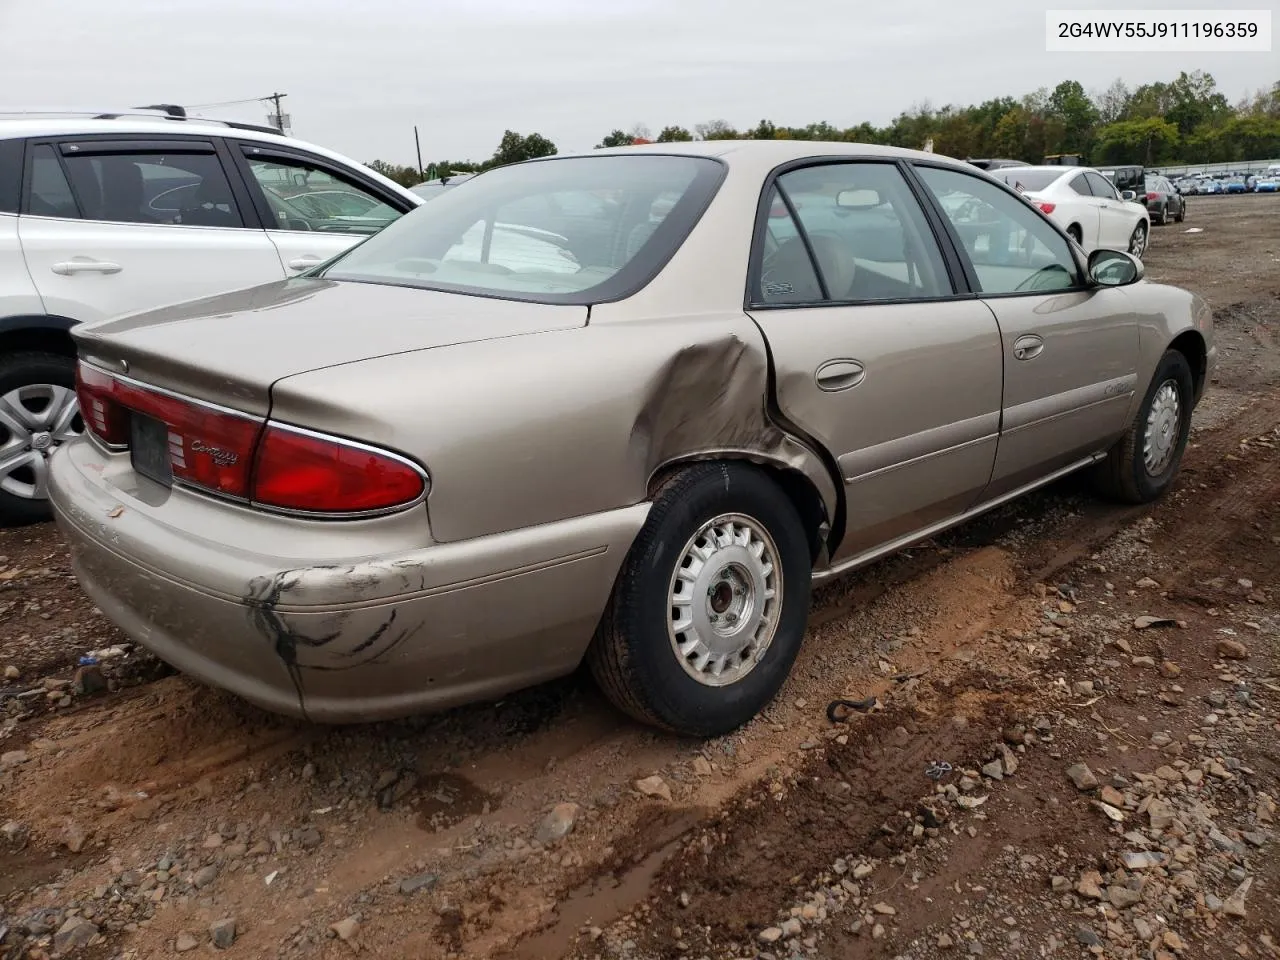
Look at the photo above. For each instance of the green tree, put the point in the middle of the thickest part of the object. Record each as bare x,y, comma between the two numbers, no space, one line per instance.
1147,141
764,130
1194,100
514,148
1009,139
405,176
716,130
674,135
619,138
1075,112
1113,102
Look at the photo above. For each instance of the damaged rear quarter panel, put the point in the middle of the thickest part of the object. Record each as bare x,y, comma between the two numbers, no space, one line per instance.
532,429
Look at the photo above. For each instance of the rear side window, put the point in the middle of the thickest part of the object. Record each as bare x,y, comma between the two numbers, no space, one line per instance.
50,194
188,189
1100,186
1081,186
304,196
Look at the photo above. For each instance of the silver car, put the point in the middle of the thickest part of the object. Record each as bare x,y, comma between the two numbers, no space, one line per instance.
698,378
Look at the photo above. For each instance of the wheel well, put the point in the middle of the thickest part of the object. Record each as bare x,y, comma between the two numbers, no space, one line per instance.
794,485
1191,345
49,340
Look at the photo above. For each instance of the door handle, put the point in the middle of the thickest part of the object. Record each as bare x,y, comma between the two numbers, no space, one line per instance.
68,267
1028,347
304,262
839,375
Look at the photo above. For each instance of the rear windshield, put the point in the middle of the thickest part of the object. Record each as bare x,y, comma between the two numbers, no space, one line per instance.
1031,180
577,230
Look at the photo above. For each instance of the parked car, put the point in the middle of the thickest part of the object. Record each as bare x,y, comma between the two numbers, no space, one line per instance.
434,188
1267,184
407,481
1235,185
997,163
105,216
1163,201
1085,204
1188,186
1213,187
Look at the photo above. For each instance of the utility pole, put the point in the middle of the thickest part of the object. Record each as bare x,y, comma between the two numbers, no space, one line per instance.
418,144
279,115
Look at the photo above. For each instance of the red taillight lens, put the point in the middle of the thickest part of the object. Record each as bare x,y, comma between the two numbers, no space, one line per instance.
208,446
108,420
1153,196
1046,206
312,473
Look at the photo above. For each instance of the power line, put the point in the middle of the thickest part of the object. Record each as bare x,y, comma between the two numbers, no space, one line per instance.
227,103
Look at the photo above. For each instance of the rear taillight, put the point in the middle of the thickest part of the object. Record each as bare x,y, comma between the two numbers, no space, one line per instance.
300,470
1153,196
1046,206
237,455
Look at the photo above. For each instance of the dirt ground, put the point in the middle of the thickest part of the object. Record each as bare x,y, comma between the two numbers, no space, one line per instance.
145,815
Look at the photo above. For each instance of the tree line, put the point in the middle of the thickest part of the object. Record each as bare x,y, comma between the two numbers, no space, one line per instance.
1187,120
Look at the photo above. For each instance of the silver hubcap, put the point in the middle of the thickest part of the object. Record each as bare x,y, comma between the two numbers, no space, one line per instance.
1138,243
34,420
725,596
1164,423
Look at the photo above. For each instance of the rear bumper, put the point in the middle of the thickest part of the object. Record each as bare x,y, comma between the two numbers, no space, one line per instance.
273,610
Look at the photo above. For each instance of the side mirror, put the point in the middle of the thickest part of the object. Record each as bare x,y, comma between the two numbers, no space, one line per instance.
1128,195
1114,268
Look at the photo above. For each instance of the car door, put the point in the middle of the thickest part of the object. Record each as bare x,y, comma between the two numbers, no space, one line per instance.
1117,221
300,198
1070,348
876,356
121,224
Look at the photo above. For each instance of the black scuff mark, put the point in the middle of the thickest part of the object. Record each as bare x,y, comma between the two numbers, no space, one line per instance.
374,637
264,597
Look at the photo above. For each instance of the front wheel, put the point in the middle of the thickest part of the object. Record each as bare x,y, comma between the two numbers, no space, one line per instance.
38,413
710,607
1138,240
1144,463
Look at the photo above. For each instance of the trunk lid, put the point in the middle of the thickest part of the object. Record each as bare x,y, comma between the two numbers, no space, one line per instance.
231,348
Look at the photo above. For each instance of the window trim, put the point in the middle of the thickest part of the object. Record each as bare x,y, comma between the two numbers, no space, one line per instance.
28,183
961,286
239,155
12,174
953,236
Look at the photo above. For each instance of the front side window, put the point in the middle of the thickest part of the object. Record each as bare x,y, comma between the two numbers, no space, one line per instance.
1012,249
1101,186
302,196
866,231
154,188
576,230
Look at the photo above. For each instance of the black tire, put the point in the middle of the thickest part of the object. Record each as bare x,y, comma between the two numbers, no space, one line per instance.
20,370
1182,212
633,657
1138,240
1159,218
1123,475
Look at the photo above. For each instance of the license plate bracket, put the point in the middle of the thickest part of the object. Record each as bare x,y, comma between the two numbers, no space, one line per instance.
149,449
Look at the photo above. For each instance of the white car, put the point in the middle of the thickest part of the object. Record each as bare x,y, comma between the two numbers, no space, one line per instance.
108,214
1085,204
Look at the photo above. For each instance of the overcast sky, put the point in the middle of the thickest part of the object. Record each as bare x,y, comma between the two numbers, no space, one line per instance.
359,75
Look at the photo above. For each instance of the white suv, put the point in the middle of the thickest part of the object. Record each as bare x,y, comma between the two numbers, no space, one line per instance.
115,213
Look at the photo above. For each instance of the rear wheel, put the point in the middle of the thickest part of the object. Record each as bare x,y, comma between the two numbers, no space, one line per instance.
1142,466
1159,217
38,413
711,604
1182,212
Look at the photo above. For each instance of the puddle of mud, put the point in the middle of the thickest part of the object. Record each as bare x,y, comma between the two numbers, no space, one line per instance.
604,899
443,800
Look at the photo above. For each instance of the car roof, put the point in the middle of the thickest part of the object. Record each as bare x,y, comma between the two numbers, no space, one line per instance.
84,126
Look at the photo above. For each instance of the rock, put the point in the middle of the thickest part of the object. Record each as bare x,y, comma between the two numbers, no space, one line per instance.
223,933
1143,929
346,929
1122,897
945,942
74,836
994,770
1146,583
770,935
1009,759
204,876
11,672
89,679
1170,669
1112,796
1142,860
1160,814
12,758
701,766
15,833
654,786
558,823
423,881
1087,937
1083,688
791,928
185,942
1233,906
885,910
1173,941
863,870
213,841
1082,776
1090,885
309,838
1060,884
74,934
1232,650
